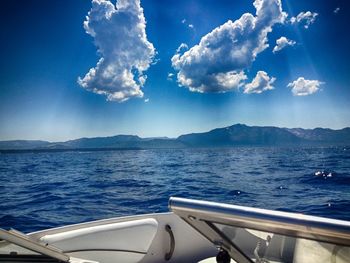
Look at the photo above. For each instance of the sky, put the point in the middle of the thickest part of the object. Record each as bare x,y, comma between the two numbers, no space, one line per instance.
71,69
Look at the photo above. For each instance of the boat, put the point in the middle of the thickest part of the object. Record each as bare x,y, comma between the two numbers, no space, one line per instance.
192,231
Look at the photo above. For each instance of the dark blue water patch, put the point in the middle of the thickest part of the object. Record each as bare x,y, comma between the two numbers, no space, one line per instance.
41,198
46,190
199,172
174,165
281,188
103,171
193,188
338,209
29,168
213,191
24,223
45,186
330,163
271,169
149,172
158,201
100,184
237,193
338,157
329,177
131,183
280,192
189,180
256,172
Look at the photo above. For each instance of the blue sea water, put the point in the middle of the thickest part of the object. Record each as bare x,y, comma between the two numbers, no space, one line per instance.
49,189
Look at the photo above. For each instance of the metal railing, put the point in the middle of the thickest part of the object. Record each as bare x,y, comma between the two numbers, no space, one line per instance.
284,223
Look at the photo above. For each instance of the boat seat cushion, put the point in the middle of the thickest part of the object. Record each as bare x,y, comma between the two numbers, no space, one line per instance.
133,236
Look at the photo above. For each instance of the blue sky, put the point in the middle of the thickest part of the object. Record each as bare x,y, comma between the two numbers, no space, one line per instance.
227,72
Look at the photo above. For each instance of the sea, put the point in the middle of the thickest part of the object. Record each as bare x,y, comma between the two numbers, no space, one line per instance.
40,190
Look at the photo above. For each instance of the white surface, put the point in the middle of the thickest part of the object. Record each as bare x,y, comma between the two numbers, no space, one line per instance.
108,257
315,252
190,246
136,235
212,260
79,260
116,242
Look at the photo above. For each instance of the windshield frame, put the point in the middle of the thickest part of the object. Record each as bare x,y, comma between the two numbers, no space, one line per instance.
202,216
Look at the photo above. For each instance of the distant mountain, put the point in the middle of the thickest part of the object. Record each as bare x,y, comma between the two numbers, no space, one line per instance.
23,144
235,135
98,143
323,135
241,134
118,142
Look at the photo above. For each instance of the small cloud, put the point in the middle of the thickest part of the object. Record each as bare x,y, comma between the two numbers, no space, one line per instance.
182,46
304,87
170,76
281,43
184,21
119,33
260,83
335,11
146,100
307,18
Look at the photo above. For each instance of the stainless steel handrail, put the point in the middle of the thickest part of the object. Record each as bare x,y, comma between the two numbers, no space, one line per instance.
285,223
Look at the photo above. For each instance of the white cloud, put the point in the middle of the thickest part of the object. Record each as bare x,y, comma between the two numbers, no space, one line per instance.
281,43
260,83
218,62
146,100
170,76
307,18
184,21
182,47
304,87
120,36
335,11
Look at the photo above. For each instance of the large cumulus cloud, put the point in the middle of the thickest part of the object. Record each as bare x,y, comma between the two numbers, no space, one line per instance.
219,61
119,33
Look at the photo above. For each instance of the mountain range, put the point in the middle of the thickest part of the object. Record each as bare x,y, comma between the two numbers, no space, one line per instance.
235,135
